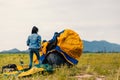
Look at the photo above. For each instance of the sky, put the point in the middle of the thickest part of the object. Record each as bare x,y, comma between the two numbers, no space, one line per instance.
91,19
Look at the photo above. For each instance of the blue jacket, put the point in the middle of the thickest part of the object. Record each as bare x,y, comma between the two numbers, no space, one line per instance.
34,41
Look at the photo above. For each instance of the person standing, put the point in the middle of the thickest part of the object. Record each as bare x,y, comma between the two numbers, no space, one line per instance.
34,43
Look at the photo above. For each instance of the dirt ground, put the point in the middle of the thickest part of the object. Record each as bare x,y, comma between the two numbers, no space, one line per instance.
88,76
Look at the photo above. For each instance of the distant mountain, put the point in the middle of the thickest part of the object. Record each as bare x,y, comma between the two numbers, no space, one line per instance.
100,46
89,46
11,51
14,50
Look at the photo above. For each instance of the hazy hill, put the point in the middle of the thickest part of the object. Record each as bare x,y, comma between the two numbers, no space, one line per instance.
89,46
14,50
100,46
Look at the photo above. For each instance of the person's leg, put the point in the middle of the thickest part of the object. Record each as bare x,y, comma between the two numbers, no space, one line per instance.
31,58
38,55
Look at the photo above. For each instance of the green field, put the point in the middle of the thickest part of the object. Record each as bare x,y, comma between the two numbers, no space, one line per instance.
91,66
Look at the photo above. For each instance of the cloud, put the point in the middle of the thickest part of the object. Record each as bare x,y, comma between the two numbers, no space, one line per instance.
92,19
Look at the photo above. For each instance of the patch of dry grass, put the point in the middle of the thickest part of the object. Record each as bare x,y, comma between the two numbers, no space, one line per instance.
99,66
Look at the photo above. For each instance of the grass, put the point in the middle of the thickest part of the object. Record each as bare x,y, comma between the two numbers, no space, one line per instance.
102,65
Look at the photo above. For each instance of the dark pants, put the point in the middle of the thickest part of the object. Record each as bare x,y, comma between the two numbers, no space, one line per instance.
32,51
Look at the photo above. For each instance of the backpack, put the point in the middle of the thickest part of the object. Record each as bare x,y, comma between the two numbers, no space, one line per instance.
9,68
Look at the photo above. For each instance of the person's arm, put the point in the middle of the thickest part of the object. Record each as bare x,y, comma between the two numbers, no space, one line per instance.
39,40
28,41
